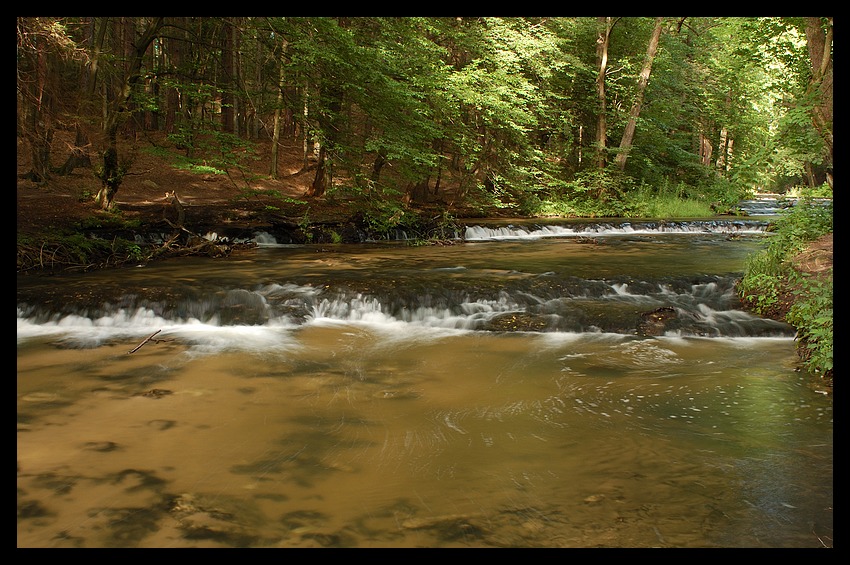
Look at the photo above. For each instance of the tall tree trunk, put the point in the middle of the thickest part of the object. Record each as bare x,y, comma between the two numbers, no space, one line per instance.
110,171
323,176
79,156
724,147
239,123
705,149
305,130
820,55
328,125
603,39
643,80
276,134
278,112
174,55
227,114
128,32
377,165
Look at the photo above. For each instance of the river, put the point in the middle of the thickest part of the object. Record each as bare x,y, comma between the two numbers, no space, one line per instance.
536,384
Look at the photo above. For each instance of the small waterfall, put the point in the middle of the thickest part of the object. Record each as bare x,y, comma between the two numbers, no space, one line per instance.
534,231
703,306
263,239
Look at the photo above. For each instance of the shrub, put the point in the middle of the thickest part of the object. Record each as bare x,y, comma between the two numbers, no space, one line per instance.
812,315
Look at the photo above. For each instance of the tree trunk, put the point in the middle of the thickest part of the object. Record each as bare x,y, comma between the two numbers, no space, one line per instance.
377,165
110,173
602,41
328,125
227,91
724,147
705,149
128,32
305,130
820,55
722,150
117,110
643,80
79,156
175,56
276,134
417,192
322,178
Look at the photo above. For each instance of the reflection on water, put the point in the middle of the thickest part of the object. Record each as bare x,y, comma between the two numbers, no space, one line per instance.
377,408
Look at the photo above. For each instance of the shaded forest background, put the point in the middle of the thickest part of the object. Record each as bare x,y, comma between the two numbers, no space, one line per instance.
539,116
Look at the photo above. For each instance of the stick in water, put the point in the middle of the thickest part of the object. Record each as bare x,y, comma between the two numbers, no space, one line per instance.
144,342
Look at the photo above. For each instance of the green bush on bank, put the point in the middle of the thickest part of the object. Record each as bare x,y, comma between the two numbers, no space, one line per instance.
771,270
812,315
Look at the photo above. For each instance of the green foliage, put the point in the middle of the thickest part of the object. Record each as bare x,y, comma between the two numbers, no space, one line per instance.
200,168
210,151
800,224
806,192
611,194
128,251
381,217
812,315
665,206
770,270
506,107
86,195
107,219
761,291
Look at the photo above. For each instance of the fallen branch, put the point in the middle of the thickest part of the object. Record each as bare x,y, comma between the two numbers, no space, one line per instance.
138,347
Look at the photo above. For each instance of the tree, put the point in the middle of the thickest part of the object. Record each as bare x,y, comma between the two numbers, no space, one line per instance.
44,46
819,40
643,80
603,40
111,171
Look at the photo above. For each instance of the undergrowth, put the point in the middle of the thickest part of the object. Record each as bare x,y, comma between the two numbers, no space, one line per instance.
770,273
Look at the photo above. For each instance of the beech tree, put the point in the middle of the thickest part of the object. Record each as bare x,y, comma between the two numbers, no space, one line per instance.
643,79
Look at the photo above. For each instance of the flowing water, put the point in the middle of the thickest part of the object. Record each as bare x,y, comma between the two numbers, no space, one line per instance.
583,384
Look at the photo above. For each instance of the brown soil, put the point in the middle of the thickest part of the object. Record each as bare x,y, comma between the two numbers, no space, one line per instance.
817,258
65,200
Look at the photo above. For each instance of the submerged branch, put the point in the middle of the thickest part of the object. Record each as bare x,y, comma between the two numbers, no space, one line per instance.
138,347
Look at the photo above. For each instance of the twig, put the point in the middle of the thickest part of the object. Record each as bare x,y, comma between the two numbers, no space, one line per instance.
144,342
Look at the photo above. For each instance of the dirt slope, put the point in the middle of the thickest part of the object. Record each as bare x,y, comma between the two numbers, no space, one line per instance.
64,200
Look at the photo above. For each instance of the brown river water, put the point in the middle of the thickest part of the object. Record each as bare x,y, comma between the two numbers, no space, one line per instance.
513,390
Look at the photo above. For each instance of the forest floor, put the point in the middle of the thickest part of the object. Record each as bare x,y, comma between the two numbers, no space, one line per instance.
143,197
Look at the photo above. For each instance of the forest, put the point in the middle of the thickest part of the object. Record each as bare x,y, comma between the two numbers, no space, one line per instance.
567,116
